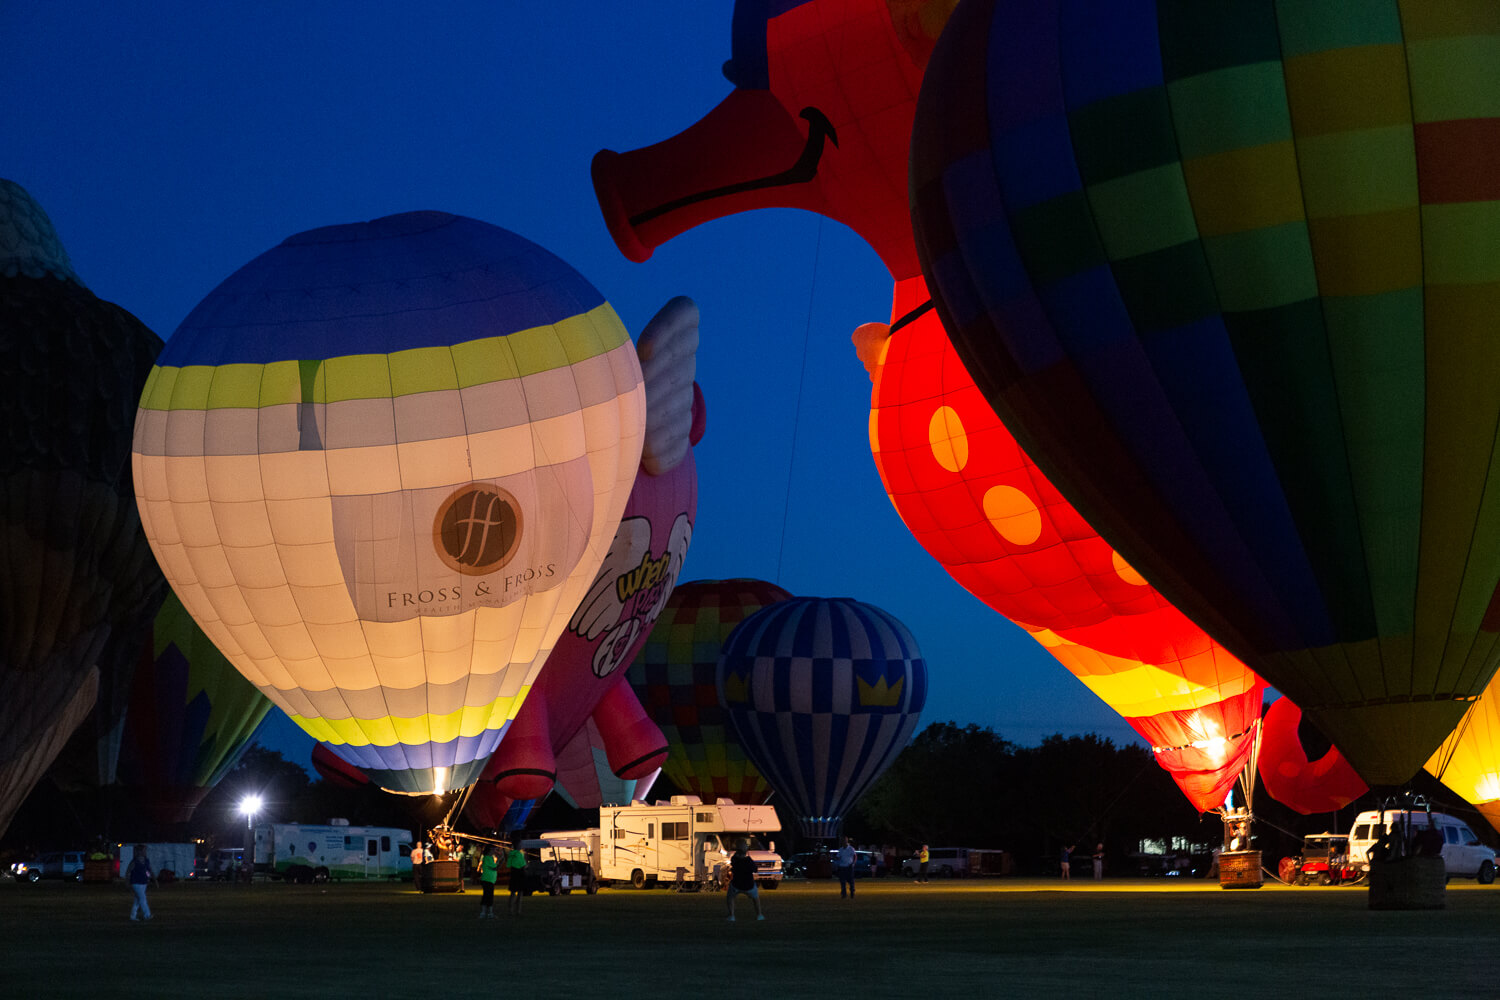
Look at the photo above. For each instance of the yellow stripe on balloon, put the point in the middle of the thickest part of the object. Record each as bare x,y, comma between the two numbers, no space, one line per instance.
389,731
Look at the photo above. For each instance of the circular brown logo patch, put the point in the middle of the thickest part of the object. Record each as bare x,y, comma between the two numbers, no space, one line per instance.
477,529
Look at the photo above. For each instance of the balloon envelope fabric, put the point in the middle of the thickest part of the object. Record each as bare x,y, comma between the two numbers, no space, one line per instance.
1469,759
191,715
380,464
823,693
1303,785
75,569
1229,272
674,677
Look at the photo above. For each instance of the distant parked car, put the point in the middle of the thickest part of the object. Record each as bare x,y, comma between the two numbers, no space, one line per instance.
865,863
53,864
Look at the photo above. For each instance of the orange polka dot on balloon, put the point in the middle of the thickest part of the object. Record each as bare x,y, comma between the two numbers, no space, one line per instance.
947,438
1125,571
1013,515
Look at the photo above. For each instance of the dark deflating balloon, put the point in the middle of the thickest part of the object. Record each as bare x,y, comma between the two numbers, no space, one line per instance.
823,693
75,569
1229,272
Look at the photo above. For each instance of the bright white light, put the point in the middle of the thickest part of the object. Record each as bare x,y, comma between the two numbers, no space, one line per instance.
250,805
440,776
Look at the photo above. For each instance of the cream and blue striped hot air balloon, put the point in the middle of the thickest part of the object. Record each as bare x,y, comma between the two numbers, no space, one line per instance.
824,692
380,464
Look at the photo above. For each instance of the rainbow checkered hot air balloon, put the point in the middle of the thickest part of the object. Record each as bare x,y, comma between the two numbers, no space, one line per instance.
824,692
380,464
674,678
1229,272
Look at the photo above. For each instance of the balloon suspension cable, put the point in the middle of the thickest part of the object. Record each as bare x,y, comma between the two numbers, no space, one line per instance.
1251,769
1446,752
459,801
786,506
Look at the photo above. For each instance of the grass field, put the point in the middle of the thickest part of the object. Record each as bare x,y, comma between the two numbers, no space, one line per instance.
981,938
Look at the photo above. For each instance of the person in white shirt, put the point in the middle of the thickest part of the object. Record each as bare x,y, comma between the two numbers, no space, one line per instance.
844,862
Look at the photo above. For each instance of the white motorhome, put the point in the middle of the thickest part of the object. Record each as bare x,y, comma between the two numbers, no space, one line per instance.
302,852
683,840
1463,853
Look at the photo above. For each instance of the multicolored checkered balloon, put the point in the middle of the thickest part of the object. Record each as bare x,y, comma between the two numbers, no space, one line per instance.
1230,272
674,678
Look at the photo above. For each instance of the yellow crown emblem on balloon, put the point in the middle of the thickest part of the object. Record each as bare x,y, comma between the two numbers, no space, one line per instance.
880,694
736,691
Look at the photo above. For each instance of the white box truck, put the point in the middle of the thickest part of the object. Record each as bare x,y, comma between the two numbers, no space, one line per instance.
304,852
179,859
683,840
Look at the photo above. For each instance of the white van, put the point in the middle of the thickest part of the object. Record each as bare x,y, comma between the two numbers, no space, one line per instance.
1463,854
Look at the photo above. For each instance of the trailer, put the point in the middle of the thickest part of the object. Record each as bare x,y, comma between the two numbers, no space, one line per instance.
683,842
302,852
179,859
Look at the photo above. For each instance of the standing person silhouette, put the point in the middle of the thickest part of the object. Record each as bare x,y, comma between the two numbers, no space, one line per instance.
923,858
742,880
489,871
845,865
1065,863
140,875
1098,862
515,863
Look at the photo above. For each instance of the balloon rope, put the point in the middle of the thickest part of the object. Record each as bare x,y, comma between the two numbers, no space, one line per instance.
786,506
1449,748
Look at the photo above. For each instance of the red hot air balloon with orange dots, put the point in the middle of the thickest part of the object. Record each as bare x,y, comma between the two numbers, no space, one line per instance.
831,86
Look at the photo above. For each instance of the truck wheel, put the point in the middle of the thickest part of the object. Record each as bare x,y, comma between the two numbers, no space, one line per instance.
321,875
947,872
592,889
78,875
32,875
1486,872
638,879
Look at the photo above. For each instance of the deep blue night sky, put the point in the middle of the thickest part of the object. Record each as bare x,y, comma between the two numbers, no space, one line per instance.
171,142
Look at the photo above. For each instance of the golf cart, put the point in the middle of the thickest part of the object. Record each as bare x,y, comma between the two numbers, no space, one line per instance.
1324,860
557,867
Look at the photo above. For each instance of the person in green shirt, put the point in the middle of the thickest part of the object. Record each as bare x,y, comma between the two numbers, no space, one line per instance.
515,861
489,871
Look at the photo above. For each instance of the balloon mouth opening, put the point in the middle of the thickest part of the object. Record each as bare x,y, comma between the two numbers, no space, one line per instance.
612,206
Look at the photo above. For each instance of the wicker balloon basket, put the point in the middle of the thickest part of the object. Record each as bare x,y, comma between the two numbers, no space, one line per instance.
1239,870
440,876
1408,884
99,870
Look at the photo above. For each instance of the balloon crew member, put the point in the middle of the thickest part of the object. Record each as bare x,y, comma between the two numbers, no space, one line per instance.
515,864
846,858
1065,863
1098,862
742,880
923,858
140,875
489,871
